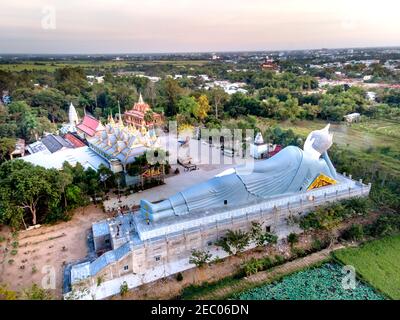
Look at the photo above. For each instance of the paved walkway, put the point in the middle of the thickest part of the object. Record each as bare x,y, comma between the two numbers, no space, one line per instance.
266,276
209,161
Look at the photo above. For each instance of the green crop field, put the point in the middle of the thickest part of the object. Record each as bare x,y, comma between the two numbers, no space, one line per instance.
318,283
378,263
103,65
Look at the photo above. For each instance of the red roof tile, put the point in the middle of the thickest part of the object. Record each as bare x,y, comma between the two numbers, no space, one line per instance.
74,140
88,125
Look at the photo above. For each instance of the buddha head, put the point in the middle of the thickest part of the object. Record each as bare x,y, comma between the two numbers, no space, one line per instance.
318,142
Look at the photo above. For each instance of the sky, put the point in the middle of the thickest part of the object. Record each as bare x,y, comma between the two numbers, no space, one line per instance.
145,26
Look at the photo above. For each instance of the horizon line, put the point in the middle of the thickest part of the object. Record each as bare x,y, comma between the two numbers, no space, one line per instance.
208,52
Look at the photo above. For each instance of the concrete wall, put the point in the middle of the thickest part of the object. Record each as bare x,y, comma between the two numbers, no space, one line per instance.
169,249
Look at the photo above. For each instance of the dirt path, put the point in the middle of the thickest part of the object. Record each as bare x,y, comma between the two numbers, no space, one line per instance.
25,259
266,276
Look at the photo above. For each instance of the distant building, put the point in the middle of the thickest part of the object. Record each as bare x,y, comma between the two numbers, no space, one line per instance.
270,65
367,78
261,150
371,95
19,149
85,156
137,115
353,117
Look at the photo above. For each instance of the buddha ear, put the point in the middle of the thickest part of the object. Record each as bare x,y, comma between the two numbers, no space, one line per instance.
309,142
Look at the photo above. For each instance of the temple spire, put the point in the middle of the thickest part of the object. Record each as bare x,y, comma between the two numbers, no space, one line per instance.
73,115
141,101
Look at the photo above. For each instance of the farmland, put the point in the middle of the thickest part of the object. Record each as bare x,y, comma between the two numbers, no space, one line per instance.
106,65
319,283
376,262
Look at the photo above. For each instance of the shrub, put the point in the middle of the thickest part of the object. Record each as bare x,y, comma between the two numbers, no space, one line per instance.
253,266
14,252
37,293
200,257
298,252
328,217
179,277
293,238
267,263
385,225
319,244
355,232
123,289
279,259
234,241
34,269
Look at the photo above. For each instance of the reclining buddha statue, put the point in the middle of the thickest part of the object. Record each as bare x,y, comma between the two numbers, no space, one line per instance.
290,171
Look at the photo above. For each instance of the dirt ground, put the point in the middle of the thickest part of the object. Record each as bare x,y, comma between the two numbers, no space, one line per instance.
23,259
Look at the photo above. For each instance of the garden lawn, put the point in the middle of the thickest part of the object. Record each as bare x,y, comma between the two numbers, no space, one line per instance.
318,283
378,263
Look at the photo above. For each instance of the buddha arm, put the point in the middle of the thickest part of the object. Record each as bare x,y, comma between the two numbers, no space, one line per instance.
328,161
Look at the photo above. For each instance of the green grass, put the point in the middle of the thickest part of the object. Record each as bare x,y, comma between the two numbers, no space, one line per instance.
378,263
318,283
105,65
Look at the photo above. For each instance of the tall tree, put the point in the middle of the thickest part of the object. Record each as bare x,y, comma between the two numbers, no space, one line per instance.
7,145
172,91
202,109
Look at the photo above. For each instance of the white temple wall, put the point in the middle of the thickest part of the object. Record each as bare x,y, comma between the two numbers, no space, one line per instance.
169,249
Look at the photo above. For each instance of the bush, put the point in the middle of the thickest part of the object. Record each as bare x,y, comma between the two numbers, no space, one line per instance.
200,258
252,266
298,252
123,289
319,244
328,217
179,277
385,225
267,263
293,238
355,232
279,259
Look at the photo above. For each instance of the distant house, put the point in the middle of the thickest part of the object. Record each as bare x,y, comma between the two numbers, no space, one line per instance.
353,117
367,78
19,149
270,65
371,95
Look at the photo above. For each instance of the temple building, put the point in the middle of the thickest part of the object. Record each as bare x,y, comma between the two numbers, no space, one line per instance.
73,121
89,127
120,144
157,240
137,115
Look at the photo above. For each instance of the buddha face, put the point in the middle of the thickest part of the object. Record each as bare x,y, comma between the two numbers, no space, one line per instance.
318,142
